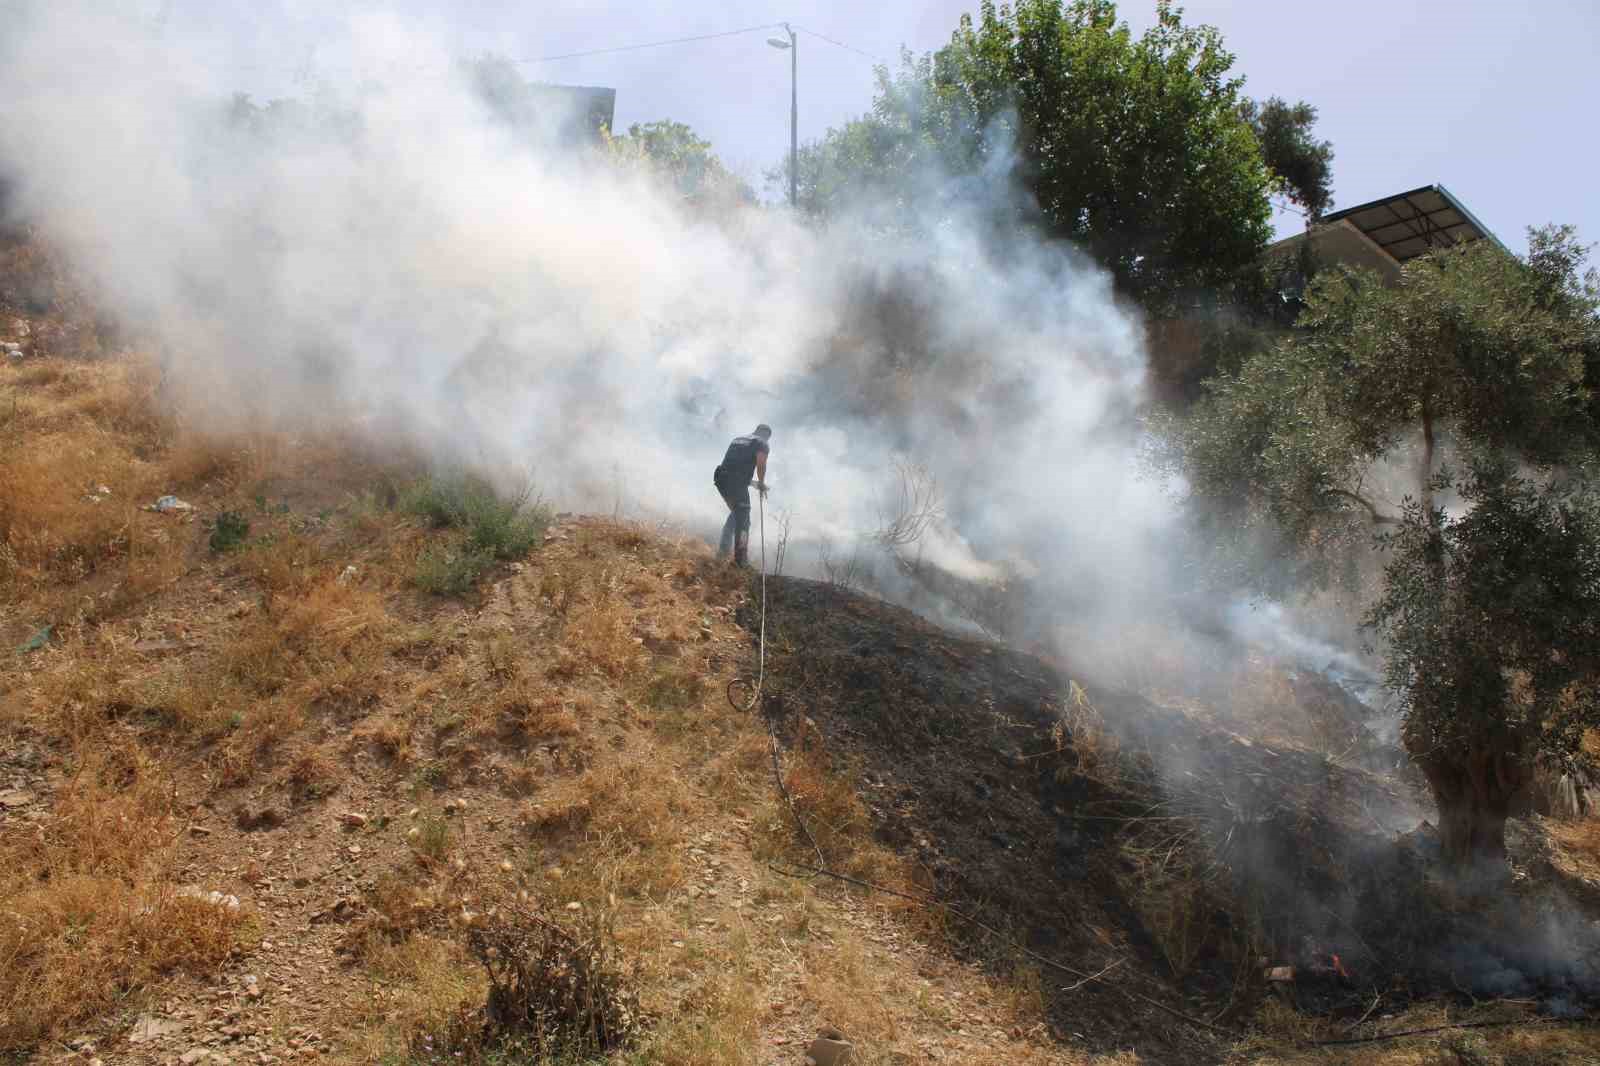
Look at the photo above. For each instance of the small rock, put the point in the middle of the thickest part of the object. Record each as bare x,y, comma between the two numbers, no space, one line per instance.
506,867
352,820
574,906
347,575
199,831
216,899
193,1055
15,797
830,1048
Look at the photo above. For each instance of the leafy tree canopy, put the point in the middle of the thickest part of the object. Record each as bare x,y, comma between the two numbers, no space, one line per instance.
677,154
1301,165
1136,148
1452,415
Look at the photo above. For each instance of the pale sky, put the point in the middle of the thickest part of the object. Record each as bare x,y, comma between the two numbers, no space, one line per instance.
1490,99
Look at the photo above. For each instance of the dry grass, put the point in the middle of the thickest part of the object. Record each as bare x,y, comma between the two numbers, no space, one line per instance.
1281,1028
90,912
425,981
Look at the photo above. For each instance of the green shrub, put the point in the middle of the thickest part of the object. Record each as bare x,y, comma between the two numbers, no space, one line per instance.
491,526
229,531
505,527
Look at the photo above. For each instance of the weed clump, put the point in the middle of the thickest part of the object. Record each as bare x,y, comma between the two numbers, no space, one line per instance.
490,527
229,532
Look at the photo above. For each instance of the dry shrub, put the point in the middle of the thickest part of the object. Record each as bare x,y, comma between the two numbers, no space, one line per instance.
1083,729
526,712
398,910
86,913
392,738
832,812
554,994
1176,886
311,775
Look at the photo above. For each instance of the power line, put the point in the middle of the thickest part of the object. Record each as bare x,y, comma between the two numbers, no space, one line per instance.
654,44
838,44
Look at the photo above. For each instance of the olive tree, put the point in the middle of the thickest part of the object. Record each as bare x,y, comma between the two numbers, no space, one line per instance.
1447,422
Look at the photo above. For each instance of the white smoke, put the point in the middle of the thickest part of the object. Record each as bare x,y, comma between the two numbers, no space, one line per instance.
531,309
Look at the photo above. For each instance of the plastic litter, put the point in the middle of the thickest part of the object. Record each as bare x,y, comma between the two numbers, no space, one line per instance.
37,641
168,504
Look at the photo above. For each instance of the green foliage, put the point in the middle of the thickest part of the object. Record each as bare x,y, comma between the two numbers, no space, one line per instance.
1492,617
450,570
674,153
1301,166
1490,599
503,527
229,531
433,837
489,527
1134,148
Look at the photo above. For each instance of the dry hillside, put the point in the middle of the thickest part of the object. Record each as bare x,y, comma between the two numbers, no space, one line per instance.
280,770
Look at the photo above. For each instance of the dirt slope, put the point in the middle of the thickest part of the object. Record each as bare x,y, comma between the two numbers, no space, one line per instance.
253,790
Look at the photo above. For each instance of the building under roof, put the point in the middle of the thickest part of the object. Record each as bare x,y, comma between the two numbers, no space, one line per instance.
1384,234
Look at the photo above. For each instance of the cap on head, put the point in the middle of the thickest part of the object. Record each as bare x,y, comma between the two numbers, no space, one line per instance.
764,431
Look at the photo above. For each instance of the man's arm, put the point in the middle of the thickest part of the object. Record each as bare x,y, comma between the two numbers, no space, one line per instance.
761,470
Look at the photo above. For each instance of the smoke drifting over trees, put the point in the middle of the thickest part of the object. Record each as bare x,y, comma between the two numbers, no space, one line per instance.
395,255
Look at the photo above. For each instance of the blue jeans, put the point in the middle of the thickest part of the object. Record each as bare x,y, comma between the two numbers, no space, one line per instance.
736,530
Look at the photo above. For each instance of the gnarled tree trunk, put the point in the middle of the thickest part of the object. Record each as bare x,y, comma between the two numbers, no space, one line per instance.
1475,788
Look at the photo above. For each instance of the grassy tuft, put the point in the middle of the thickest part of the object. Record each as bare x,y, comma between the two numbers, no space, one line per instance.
446,571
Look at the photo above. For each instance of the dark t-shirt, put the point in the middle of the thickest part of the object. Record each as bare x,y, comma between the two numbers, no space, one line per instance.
739,465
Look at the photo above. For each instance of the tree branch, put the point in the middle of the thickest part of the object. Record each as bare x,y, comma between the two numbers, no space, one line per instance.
1378,517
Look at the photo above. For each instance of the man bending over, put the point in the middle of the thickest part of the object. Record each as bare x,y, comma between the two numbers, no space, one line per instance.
746,456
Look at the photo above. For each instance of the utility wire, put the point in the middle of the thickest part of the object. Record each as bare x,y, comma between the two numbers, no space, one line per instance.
652,44
838,44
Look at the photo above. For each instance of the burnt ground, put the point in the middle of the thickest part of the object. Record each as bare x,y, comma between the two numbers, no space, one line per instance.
1197,856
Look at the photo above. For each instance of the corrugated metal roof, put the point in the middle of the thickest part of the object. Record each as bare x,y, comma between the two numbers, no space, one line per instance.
1414,223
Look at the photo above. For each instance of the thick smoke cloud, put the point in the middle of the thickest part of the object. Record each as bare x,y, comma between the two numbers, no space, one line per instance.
416,265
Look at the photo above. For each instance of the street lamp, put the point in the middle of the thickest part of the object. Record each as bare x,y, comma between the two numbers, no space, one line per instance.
793,47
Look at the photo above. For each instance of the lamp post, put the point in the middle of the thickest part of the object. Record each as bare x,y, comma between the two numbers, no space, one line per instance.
792,45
